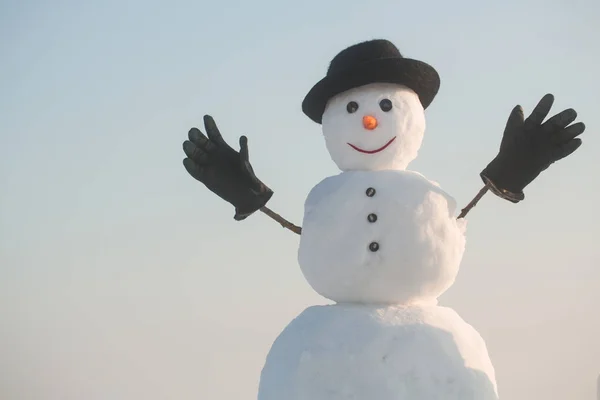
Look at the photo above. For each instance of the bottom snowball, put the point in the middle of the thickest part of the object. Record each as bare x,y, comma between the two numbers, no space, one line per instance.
365,352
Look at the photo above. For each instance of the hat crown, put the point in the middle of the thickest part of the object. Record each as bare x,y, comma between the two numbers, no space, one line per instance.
372,61
362,53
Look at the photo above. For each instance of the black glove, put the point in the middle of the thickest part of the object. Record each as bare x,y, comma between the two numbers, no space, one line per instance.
223,170
529,147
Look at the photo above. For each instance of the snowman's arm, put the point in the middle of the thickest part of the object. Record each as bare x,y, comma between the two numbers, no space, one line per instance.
473,202
284,222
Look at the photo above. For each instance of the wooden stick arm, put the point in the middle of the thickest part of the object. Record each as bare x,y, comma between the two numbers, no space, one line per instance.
284,222
473,202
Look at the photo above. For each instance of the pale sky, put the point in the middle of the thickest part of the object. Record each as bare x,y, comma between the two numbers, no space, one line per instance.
121,277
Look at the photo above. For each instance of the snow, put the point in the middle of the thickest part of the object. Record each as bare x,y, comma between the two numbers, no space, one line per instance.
384,243
420,241
346,351
405,122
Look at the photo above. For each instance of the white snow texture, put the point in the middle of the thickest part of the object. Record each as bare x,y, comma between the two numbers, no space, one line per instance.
420,241
362,352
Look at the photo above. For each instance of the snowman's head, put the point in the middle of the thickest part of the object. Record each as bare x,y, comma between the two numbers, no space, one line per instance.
374,127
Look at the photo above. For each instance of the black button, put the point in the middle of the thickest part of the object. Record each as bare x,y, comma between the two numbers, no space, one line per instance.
370,192
372,217
374,246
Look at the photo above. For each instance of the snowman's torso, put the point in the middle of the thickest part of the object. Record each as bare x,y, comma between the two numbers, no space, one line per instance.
361,352
380,236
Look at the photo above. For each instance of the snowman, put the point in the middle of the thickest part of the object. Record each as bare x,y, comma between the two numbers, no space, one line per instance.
378,240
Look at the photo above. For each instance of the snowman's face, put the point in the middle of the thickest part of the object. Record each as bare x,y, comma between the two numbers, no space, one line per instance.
374,127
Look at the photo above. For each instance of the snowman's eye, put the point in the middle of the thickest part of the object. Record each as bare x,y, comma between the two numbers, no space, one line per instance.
385,104
352,107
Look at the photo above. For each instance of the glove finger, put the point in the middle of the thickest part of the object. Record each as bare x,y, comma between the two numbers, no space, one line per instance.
559,121
247,169
513,125
200,140
194,169
195,153
213,132
244,156
566,149
516,117
541,110
568,133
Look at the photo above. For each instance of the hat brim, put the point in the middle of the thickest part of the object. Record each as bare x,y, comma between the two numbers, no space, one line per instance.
421,77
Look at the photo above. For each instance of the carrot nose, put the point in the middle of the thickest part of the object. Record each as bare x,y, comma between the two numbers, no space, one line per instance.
369,122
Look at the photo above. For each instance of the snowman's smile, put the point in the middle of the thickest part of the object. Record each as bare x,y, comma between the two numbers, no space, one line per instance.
373,151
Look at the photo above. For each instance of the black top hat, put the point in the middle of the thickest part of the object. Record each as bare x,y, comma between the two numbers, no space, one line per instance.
374,61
